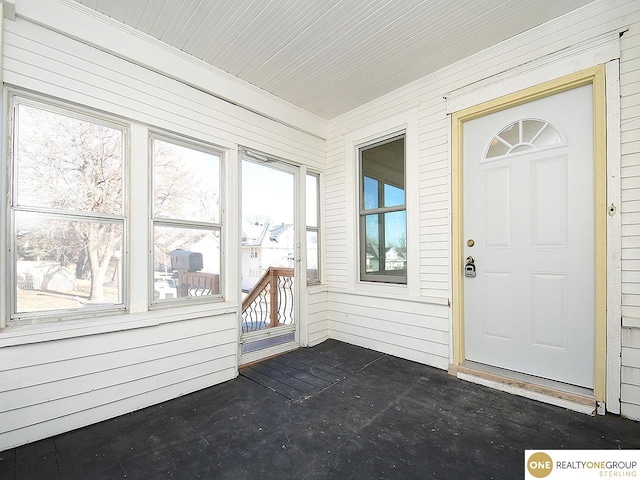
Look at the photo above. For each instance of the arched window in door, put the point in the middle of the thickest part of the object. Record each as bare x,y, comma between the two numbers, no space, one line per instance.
522,136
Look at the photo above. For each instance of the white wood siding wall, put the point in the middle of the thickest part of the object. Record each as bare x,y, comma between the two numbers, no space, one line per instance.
46,62
630,166
421,330
58,380
318,327
56,386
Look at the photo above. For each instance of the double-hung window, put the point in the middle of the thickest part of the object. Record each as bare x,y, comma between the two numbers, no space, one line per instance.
383,219
187,225
67,211
313,229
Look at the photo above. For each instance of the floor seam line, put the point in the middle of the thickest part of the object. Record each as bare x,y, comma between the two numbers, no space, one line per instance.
267,387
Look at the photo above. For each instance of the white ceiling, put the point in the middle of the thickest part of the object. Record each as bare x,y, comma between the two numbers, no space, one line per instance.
330,56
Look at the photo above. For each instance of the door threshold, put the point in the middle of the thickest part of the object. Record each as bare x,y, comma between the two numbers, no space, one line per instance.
263,354
260,360
572,397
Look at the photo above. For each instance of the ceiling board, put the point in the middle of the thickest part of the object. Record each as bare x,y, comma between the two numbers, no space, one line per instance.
331,56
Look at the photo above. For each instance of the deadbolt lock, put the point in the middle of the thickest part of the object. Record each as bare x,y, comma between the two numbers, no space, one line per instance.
470,267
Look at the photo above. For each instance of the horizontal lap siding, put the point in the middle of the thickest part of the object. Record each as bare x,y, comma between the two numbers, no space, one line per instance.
630,391
54,386
434,194
317,317
630,161
46,62
411,330
335,214
429,95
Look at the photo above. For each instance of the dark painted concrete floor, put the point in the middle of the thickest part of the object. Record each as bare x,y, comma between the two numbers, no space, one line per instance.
334,411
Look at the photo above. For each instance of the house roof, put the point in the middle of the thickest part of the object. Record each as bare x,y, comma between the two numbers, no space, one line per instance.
253,234
278,230
331,56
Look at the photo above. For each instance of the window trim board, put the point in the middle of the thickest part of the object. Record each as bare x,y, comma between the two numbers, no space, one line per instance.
407,121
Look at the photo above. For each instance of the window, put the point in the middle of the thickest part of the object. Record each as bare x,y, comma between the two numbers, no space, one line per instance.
523,136
313,249
186,220
383,220
67,211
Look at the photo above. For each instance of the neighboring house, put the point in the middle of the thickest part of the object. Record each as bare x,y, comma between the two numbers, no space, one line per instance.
209,247
393,260
265,245
511,163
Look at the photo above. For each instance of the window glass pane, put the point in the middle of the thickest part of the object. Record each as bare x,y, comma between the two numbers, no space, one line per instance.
390,230
186,183
372,245
531,128
383,164
548,136
312,201
371,193
68,164
393,196
313,274
186,262
497,148
66,264
395,235
511,134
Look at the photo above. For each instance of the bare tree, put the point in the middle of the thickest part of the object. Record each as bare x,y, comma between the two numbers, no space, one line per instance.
70,193
67,169
185,188
183,178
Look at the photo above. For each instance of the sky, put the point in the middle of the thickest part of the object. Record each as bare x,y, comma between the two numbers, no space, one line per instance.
267,192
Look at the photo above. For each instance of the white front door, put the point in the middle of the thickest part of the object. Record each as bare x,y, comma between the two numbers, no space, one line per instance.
528,223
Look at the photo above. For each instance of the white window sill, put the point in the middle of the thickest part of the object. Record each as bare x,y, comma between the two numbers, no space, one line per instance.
45,332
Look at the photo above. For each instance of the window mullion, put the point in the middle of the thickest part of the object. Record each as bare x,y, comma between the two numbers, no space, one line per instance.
170,222
71,215
374,211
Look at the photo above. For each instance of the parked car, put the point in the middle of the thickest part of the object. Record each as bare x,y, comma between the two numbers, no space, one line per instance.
165,289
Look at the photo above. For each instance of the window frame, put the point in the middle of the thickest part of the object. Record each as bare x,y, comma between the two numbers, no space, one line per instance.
378,278
314,229
81,113
203,147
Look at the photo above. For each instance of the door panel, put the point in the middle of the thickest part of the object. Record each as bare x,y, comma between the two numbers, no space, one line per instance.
498,309
529,208
269,251
549,202
496,204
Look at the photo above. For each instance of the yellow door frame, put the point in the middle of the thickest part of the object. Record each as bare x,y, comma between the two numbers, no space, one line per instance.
593,76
